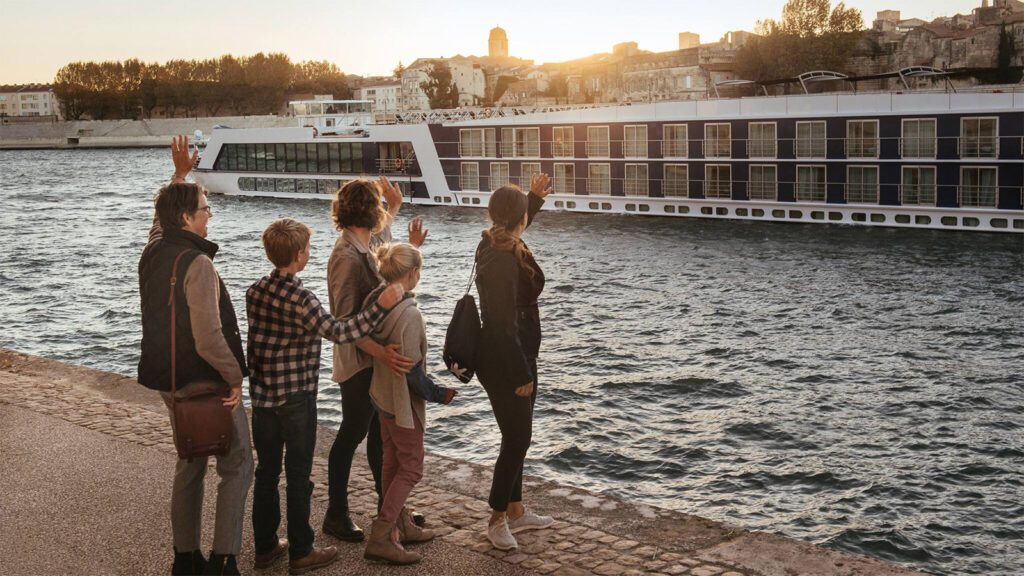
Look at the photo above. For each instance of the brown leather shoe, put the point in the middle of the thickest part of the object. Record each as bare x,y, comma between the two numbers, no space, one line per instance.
316,559
266,560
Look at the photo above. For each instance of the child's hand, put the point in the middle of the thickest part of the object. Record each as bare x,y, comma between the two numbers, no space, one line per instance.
391,296
450,395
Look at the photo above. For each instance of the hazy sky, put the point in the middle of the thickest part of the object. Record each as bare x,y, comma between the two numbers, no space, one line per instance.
370,36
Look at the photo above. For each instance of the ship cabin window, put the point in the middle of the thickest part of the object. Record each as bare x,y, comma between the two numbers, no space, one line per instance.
762,140
599,179
978,186
634,143
918,186
526,172
717,181
862,184
499,175
979,137
676,182
562,142
675,144
305,186
862,138
764,182
565,178
597,142
717,140
520,142
323,158
810,183
470,176
918,139
810,139
477,142
635,183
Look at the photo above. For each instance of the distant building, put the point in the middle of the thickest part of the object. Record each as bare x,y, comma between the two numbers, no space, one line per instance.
386,95
958,41
467,74
497,43
688,40
20,100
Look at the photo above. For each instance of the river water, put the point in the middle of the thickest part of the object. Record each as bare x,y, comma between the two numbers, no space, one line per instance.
857,388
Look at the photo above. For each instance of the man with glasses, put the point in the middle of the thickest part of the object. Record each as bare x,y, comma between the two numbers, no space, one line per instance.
209,348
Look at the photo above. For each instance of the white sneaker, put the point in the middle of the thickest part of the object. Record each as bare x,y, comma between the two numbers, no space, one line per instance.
500,537
529,521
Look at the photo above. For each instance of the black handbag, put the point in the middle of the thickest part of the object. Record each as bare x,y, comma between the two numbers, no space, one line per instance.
462,335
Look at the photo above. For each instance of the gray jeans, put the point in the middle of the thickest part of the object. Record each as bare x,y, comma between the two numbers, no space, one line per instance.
235,470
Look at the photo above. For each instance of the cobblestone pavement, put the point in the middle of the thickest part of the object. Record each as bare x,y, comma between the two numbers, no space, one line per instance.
569,547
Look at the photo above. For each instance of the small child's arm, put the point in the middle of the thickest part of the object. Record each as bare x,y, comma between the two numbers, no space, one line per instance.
421,385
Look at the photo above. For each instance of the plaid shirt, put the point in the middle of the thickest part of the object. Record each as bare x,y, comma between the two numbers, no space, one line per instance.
286,325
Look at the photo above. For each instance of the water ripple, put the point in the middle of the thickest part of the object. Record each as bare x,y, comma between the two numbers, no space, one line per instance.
858,388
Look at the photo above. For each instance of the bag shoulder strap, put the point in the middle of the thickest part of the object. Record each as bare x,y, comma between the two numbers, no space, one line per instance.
472,277
174,321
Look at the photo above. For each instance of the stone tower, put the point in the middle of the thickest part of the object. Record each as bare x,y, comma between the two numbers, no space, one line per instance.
497,44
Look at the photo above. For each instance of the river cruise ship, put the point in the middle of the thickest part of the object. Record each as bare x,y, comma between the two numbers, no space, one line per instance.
942,160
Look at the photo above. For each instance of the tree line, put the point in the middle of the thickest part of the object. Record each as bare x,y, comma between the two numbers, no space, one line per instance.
811,35
256,84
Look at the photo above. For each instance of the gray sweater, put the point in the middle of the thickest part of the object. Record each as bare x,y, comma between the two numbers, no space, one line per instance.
388,390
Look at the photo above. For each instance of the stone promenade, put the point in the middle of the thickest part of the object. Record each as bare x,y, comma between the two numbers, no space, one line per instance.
85,472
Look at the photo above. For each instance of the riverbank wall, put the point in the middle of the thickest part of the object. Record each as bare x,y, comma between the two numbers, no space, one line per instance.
123,133
88,459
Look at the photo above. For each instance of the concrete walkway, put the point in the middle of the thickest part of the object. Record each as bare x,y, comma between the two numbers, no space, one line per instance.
85,470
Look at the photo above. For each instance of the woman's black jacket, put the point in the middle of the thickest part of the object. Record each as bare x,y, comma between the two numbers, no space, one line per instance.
510,334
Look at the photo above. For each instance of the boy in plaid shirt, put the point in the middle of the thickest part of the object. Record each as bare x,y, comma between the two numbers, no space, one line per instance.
286,325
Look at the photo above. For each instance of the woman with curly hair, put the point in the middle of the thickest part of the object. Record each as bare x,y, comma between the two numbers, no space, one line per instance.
510,281
352,273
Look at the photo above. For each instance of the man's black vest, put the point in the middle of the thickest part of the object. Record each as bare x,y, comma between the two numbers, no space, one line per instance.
154,288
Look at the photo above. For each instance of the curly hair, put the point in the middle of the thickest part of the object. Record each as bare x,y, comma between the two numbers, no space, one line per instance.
357,203
506,208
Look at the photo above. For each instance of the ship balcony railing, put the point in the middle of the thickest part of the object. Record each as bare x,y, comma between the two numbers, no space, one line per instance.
718,189
476,149
977,196
598,149
564,185
861,147
520,149
396,165
631,149
762,148
719,148
920,147
979,147
810,148
674,148
862,193
917,195
810,191
562,149
675,188
599,186
633,187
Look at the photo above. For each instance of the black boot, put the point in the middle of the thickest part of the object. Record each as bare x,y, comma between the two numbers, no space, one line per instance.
221,564
340,525
188,563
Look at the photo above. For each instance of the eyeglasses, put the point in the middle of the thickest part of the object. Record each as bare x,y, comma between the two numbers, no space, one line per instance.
206,209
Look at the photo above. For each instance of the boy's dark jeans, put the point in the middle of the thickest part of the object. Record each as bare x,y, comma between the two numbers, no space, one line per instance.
289,430
358,421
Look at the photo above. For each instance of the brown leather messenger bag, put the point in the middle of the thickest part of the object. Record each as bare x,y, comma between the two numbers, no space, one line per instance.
202,423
